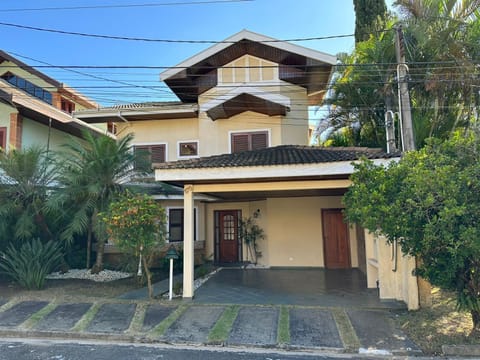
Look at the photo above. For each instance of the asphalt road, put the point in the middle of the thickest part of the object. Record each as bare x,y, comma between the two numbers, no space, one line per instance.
20,349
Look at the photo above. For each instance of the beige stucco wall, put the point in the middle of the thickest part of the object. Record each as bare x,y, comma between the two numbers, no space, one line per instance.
36,134
293,229
13,68
5,111
167,132
395,282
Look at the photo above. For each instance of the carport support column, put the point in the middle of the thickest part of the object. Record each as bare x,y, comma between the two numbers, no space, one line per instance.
188,245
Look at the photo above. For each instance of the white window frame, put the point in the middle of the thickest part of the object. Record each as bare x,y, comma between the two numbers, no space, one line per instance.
233,132
167,210
188,156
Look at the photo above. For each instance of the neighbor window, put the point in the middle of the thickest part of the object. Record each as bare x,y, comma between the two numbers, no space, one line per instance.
149,155
67,106
249,141
3,138
29,87
187,148
175,224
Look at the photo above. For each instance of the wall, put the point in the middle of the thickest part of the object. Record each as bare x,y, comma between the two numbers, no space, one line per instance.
395,282
35,133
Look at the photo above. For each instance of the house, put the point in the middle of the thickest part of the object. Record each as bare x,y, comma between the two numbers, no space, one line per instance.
36,109
237,144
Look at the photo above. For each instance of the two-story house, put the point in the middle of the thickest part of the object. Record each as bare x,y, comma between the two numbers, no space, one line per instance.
36,109
236,143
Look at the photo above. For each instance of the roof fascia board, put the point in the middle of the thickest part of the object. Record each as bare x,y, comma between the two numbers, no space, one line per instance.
127,112
249,35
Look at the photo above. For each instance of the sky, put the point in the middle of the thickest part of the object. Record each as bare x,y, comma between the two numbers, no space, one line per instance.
195,20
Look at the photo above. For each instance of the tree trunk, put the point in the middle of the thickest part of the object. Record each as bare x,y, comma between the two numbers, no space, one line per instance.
89,245
99,260
476,322
149,277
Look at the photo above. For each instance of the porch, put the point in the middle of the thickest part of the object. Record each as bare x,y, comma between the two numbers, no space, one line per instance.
292,286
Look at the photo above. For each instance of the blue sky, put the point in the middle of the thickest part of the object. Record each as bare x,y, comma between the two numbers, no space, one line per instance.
281,19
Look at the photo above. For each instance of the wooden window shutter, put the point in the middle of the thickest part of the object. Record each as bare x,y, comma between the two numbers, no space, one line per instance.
3,138
240,142
259,140
157,153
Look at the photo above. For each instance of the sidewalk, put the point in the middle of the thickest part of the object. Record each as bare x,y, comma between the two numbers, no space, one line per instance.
333,329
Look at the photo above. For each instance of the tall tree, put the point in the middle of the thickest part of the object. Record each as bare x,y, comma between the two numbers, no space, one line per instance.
93,172
426,202
367,15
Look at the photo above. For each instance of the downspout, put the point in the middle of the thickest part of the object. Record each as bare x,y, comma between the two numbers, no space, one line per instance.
49,131
394,255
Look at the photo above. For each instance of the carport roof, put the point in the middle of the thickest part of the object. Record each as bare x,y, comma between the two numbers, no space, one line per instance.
281,155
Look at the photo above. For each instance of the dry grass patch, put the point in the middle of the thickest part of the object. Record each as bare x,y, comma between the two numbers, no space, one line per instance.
441,324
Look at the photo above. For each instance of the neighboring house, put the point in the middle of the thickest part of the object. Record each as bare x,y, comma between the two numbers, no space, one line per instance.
36,109
237,145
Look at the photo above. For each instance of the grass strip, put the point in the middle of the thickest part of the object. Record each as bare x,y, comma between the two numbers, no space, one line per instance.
39,315
283,331
160,329
223,326
136,324
345,329
87,318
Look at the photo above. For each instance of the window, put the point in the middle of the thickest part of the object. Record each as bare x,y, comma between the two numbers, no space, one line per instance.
112,128
249,141
188,148
67,106
175,225
3,138
29,87
148,155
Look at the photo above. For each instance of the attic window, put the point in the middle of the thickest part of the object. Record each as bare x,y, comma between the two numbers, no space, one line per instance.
29,87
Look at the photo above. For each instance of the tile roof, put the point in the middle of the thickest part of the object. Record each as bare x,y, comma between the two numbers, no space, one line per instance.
281,155
142,105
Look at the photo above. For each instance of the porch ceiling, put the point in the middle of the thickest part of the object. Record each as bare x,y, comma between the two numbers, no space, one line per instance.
261,195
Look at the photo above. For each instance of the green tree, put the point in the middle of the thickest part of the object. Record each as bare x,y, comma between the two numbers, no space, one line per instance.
94,171
136,223
25,179
367,16
428,202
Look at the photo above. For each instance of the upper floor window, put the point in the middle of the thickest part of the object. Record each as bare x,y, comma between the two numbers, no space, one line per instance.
3,138
187,149
153,154
112,128
67,106
29,87
243,141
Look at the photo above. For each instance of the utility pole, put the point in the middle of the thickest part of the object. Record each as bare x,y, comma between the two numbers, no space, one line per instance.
405,112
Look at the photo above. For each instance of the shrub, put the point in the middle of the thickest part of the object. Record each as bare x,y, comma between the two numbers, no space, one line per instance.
30,264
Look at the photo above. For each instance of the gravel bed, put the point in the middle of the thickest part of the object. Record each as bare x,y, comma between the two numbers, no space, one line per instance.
85,274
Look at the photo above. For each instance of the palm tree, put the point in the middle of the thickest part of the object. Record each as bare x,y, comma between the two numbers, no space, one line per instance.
93,172
25,178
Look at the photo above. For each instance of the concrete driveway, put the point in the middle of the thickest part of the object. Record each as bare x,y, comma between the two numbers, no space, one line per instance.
307,287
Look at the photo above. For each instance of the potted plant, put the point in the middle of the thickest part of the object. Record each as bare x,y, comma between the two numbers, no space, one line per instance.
250,233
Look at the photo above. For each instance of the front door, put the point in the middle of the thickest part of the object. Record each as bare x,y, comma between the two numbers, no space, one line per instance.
335,240
228,241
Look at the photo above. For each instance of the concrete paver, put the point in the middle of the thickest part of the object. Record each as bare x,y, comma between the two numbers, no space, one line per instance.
155,314
313,328
63,317
255,326
194,325
112,318
376,331
20,312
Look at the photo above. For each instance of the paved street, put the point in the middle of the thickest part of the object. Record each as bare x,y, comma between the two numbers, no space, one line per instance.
48,350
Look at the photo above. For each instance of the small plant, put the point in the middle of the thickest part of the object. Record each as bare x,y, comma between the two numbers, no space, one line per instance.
250,233
30,264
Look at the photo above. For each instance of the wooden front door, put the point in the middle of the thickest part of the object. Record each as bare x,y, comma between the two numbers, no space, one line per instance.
228,236
335,240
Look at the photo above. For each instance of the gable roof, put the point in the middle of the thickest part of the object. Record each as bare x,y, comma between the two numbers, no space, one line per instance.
281,155
302,66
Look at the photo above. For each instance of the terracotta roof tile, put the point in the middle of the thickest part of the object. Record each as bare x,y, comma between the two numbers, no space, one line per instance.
280,155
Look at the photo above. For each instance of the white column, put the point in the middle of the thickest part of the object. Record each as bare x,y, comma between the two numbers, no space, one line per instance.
188,246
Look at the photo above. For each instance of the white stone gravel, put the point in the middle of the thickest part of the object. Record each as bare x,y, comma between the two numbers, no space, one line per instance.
85,274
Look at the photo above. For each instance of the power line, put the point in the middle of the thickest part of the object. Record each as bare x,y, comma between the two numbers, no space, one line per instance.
128,38
204,2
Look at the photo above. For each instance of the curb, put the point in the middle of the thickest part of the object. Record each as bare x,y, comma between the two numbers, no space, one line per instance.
461,350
